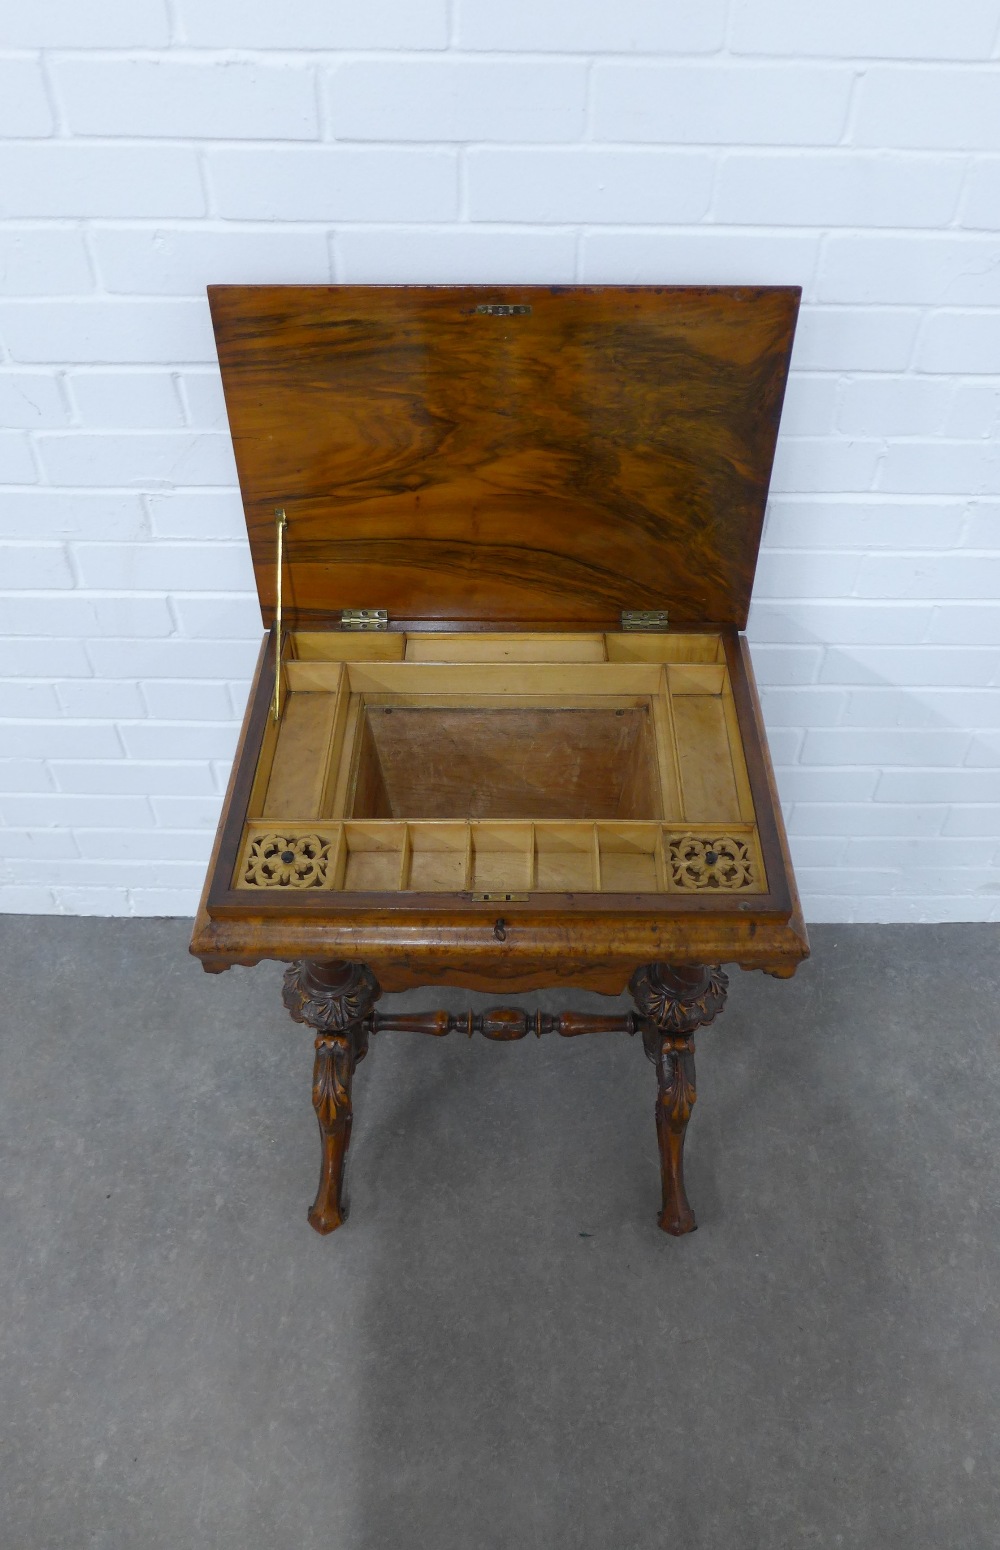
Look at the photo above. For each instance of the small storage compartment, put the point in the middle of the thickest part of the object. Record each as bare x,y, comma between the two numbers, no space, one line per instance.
489,762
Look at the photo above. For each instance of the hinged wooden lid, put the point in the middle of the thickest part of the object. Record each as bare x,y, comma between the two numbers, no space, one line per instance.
511,455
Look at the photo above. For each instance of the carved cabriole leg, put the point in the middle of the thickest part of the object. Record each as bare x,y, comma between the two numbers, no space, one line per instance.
335,999
673,1002
676,1095
332,1075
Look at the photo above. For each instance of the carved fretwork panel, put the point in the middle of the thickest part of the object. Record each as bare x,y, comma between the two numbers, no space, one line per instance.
286,861
725,862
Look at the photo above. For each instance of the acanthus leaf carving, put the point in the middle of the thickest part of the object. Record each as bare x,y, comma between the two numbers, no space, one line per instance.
332,1078
329,998
679,1001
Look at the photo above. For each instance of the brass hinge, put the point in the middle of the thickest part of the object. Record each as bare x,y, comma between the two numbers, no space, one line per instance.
650,619
364,619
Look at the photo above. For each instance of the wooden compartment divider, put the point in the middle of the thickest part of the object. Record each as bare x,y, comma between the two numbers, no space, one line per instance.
565,679
666,749
504,646
395,856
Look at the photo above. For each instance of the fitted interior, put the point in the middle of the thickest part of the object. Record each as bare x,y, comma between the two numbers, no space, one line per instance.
518,763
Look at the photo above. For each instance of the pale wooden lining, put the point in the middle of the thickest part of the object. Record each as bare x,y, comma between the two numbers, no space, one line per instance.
309,763
343,646
497,647
708,784
689,678
666,750
738,757
503,646
639,647
302,754
265,763
554,678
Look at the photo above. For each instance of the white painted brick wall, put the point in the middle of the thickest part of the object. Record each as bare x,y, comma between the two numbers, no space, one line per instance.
150,147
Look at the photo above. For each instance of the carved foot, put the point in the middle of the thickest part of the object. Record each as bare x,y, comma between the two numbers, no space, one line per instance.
673,1002
335,999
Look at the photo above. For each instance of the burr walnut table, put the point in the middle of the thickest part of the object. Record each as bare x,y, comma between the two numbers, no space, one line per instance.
503,732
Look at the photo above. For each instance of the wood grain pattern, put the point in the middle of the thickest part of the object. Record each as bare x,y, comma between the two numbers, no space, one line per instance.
593,950
708,783
609,449
298,769
437,456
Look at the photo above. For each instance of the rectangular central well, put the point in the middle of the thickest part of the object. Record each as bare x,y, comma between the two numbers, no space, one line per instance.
496,762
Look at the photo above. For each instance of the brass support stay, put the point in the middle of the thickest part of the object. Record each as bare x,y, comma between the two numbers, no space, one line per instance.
280,523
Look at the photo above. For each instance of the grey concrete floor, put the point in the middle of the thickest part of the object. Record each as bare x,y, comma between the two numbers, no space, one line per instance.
500,1349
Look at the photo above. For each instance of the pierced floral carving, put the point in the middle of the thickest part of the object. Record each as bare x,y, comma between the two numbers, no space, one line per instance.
286,861
724,863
